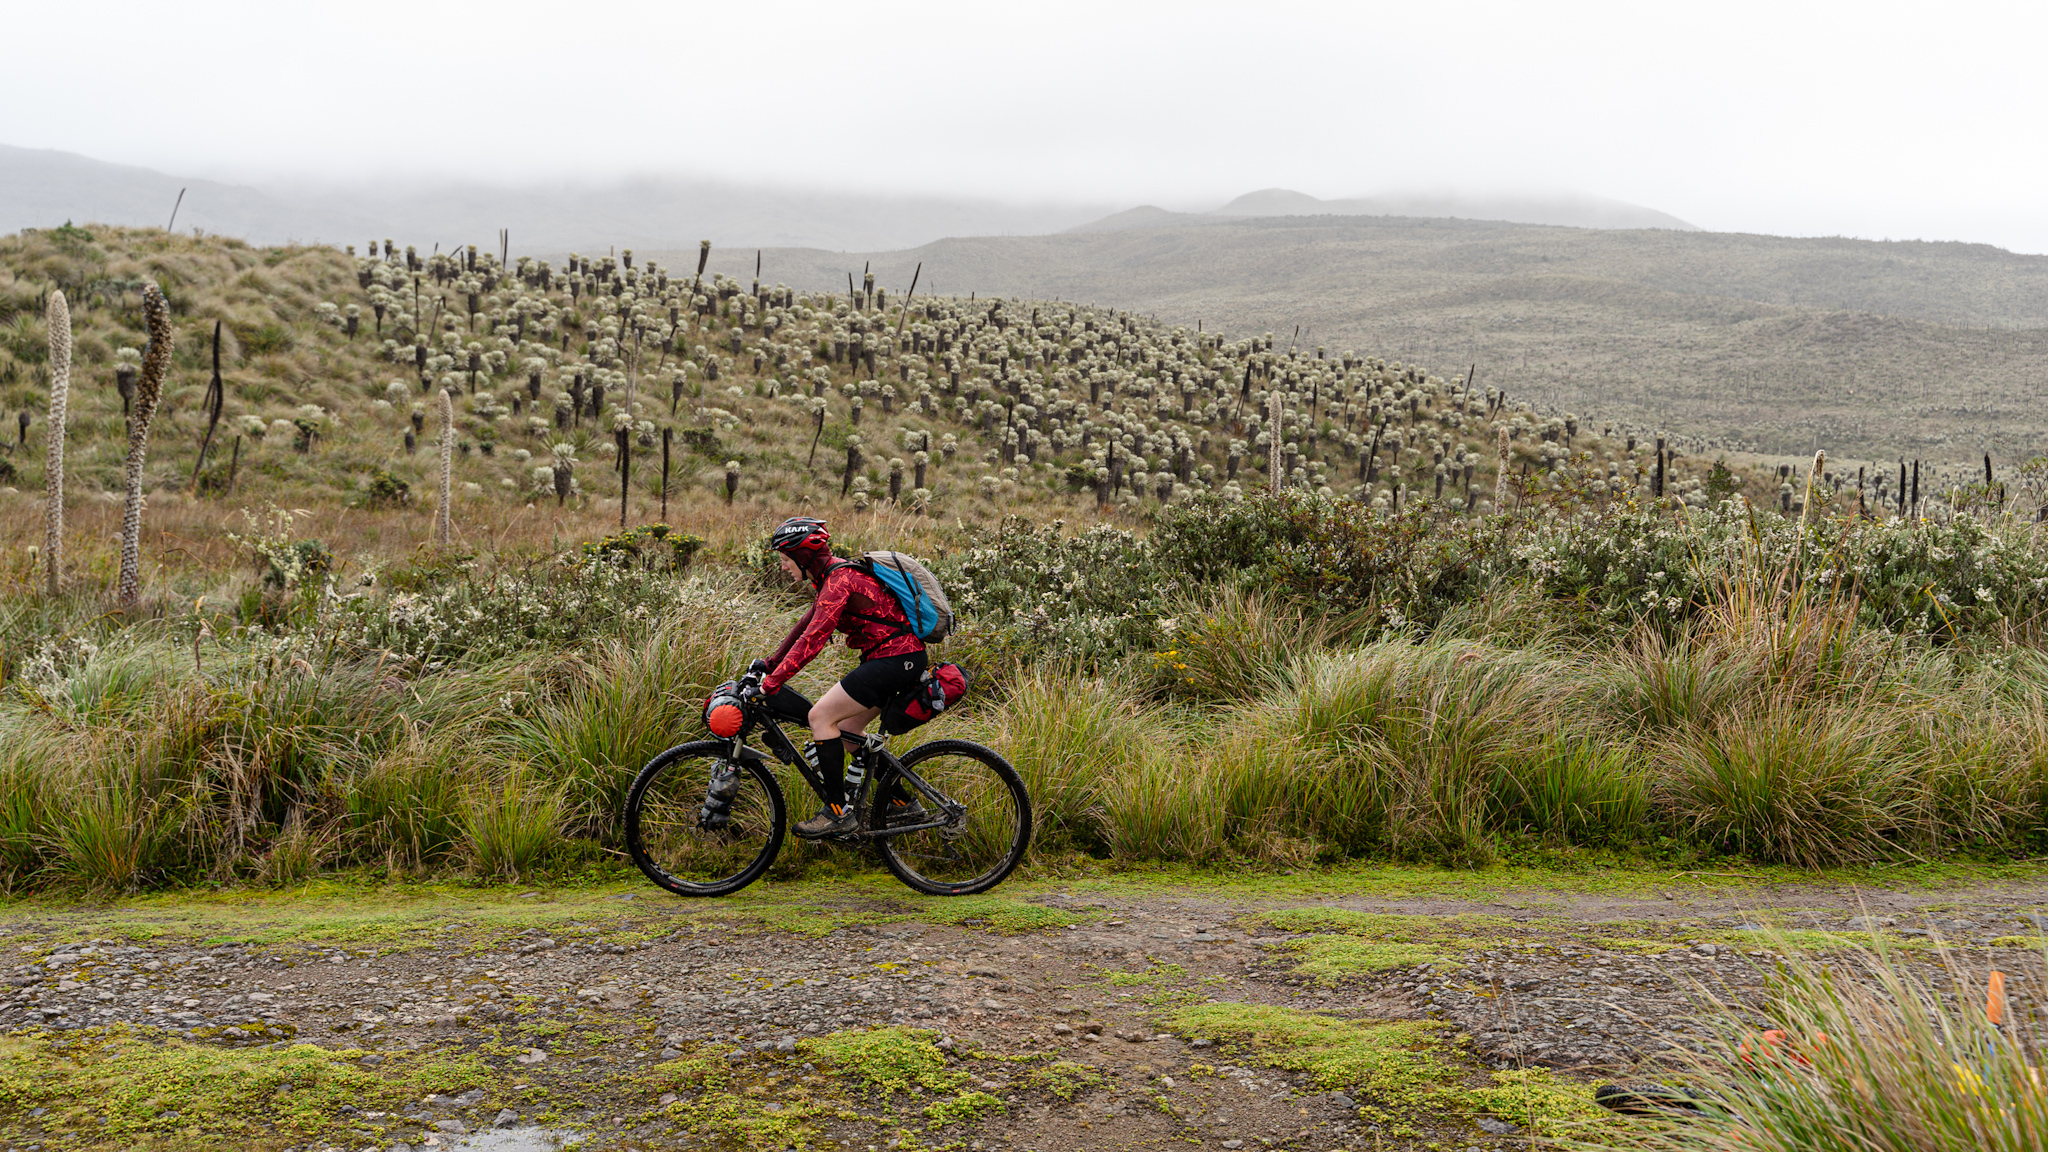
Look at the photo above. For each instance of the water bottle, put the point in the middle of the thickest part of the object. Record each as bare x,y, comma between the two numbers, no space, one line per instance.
856,772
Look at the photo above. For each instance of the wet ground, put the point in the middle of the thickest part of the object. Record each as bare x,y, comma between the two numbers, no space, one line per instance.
1102,1014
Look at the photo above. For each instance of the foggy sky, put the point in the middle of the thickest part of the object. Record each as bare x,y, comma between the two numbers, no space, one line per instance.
1868,119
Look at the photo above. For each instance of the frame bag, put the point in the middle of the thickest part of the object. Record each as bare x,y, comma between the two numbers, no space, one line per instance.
941,688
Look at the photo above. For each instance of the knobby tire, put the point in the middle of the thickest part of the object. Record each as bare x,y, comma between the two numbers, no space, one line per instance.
663,839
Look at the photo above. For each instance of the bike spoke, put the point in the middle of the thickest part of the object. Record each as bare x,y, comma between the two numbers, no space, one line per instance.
972,848
669,837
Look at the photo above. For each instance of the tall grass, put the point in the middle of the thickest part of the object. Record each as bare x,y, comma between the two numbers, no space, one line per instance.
1768,730
118,825
1162,808
510,824
1891,1061
1232,644
1767,726
1394,745
1799,785
598,717
1071,736
1574,790
408,806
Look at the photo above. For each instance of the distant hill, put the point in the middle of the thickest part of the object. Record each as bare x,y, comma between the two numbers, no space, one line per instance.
40,188
1562,210
1764,343
1145,216
1761,343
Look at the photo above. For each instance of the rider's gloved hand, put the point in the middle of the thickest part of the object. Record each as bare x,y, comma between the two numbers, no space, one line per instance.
759,665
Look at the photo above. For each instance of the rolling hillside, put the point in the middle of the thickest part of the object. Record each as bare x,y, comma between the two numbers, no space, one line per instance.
1761,343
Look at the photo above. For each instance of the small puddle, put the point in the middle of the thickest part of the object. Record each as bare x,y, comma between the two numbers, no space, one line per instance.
514,1140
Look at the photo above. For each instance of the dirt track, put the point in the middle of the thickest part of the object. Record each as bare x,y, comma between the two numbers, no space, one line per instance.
1098,1015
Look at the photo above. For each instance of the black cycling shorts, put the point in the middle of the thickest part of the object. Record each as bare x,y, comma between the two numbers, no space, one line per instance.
876,682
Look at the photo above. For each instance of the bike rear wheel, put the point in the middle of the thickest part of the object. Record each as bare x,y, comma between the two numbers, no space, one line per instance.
671,845
974,847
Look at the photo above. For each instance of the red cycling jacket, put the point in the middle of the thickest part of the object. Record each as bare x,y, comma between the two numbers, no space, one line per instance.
853,602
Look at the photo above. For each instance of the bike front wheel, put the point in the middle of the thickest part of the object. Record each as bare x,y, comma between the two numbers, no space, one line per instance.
972,834
687,855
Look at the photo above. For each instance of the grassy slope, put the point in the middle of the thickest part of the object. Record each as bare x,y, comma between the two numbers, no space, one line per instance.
279,358
1879,349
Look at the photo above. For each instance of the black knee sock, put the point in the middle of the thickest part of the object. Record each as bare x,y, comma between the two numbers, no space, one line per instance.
832,769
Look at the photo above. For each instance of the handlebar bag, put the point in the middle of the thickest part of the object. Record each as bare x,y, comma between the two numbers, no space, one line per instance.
724,714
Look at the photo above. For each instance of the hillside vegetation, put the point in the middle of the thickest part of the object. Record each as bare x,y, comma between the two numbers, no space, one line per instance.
332,366
1224,600
1872,351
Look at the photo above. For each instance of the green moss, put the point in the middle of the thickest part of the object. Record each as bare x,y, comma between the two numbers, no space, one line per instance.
1157,973
747,1121
1537,1100
1398,1069
1331,959
1004,914
366,907
1385,925
1355,943
1400,1066
892,1059
1065,1078
1636,946
2037,943
964,1107
1798,941
132,1088
694,1071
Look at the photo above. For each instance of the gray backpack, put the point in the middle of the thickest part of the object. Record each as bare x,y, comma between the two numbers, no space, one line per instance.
916,590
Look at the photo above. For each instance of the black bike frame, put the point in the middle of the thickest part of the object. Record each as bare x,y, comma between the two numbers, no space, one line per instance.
778,742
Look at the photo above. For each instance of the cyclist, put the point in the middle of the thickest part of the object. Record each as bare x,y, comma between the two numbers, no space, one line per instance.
892,661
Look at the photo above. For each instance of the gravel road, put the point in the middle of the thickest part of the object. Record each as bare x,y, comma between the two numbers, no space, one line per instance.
598,1020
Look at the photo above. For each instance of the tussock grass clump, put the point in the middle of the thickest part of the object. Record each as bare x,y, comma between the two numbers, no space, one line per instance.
1805,786
1072,737
140,757
597,718
510,825
1574,789
1866,1055
409,802
1234,645
1394,744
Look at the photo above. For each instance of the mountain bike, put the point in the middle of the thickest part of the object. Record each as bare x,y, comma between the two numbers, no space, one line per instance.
965,828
